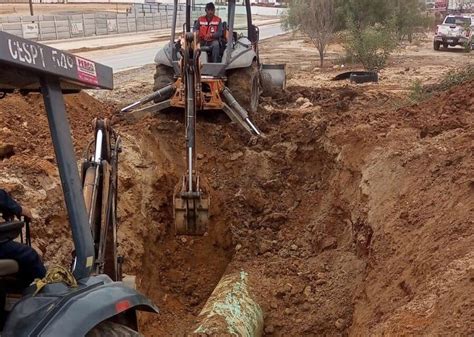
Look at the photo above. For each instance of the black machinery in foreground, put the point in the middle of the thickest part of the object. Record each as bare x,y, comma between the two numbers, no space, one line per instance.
86,301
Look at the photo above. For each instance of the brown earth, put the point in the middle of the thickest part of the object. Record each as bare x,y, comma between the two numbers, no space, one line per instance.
31,173
352,216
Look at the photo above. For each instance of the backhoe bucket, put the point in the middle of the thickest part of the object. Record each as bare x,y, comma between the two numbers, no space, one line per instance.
273,77
191,209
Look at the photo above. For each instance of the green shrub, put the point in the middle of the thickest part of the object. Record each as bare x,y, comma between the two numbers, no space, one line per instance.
371,46
454,78
419,92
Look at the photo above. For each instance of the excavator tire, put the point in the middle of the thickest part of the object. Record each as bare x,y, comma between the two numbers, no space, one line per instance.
111,329
164,75
244,83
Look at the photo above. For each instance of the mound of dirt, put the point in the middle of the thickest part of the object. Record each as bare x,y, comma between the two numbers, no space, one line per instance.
449,110
351,217
336,214
25,124
30,174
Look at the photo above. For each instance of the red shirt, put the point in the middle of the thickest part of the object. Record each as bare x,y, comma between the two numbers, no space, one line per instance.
207,26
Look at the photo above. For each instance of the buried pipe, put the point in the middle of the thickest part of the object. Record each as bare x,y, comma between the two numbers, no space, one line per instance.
230,310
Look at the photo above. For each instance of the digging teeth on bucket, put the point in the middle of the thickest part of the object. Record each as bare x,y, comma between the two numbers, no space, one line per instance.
191,209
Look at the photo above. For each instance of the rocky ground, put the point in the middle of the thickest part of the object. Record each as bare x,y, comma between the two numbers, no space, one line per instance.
353,215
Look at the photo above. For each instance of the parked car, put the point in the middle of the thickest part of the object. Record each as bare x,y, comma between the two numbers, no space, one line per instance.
456,30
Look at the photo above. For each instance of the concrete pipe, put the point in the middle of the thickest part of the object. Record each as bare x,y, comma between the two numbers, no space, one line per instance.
230,310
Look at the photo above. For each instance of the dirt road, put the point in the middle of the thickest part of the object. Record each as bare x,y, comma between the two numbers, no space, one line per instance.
353,216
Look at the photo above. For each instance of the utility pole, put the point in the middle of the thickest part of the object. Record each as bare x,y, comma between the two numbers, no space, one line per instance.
31,7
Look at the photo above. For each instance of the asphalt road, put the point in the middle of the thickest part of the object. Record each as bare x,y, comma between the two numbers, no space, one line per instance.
136,56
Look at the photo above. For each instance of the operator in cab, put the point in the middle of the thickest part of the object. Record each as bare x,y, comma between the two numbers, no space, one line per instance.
210,31
29,262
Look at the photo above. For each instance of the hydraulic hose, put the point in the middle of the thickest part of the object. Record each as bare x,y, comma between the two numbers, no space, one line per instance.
162,94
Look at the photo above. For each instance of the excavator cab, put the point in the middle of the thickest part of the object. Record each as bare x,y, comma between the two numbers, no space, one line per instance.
68,302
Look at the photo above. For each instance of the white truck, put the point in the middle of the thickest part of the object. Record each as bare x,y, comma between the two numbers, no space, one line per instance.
456,30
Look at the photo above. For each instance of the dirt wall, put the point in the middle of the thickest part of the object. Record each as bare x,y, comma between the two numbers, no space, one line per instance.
350,216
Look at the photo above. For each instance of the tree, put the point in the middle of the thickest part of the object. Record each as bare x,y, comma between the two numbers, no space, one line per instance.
408,18
371,45
316,19
375,26
371,25
405,14
363,13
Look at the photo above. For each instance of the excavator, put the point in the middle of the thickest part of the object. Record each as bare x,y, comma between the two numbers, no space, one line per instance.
88,299
186,79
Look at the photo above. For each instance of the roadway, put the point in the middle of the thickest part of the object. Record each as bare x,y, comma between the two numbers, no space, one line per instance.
128,57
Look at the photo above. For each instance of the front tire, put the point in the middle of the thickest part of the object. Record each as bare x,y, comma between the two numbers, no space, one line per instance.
111,329
244,83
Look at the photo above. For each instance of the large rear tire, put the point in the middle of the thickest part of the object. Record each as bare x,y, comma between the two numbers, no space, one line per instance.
436,45
110,329
244,83
164,75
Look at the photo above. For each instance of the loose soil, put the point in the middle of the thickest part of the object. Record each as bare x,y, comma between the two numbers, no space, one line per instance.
352,216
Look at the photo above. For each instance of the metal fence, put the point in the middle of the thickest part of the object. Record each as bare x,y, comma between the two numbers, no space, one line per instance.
34,1
139,17
55,27
155,8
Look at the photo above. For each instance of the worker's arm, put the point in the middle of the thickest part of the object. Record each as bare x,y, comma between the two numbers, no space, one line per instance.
218,34
8,204
196,26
